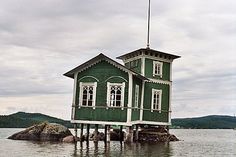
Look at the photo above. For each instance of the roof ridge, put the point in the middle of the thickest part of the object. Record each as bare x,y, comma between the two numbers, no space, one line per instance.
94,61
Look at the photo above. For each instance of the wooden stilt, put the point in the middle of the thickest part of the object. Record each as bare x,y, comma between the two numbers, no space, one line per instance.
121,133
168,129
131,131
95,137
129,134
105,132
81,132
75,128
108,133
136,133
75,149
87,137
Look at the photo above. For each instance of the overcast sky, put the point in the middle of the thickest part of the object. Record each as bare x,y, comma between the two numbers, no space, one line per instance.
41,40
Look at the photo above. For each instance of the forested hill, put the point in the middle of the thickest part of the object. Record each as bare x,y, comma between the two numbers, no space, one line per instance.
23,120
207,122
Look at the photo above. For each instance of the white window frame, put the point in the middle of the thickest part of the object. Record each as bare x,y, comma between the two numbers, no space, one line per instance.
154,91
136,96
157,64
122,94
94,85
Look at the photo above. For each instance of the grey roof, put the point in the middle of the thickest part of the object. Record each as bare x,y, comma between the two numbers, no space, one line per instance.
141,50
97,59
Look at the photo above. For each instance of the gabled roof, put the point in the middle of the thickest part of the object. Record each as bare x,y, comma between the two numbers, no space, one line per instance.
146,50
97,59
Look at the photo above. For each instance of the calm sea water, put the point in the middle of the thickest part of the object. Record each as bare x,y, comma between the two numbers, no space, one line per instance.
213,143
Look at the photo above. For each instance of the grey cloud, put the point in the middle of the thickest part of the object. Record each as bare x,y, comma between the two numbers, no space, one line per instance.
40,40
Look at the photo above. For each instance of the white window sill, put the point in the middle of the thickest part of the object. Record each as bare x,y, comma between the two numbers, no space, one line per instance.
112,107
157,75
94,107
156,110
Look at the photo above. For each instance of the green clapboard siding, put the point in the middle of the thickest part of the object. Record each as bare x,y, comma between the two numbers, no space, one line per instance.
134,66
104,72
101,114
136,112
149,70
155,115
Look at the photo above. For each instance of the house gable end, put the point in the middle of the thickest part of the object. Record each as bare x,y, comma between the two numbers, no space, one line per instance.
97,59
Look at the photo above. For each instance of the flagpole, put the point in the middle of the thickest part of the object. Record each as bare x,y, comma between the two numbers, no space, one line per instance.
148,29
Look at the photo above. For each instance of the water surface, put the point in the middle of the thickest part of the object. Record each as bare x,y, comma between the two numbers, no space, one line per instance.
194,142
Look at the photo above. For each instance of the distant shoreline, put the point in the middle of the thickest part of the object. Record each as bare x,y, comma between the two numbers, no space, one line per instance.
24,120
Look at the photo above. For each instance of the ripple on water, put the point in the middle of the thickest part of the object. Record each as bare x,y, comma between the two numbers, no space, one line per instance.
194,143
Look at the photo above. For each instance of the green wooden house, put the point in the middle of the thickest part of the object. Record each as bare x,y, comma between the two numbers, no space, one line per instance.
138,92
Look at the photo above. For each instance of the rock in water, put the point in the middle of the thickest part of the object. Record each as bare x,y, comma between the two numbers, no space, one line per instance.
54,132
70,139
42,132
31,133
153,134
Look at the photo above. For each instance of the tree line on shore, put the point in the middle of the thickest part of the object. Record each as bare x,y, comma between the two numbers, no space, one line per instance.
23,120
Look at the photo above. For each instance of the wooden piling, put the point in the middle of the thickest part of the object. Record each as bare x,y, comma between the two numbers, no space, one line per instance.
81,132
75,128
87,137
95,137
108,138
168,129
136,133
121,133
105,132
129,134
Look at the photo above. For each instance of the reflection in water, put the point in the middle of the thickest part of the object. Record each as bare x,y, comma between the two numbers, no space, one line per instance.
122,149
194,143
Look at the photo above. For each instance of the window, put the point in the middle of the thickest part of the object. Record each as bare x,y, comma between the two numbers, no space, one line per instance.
133,63
157,68
115,94
88,94
156,100
127,64
136,98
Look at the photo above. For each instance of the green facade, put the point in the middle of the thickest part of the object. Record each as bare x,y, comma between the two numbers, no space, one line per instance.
104,72
155,115
134,65
136,111
137,71
149,70
163,116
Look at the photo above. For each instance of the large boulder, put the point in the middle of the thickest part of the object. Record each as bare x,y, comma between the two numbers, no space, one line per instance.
54,132
156,134
42,132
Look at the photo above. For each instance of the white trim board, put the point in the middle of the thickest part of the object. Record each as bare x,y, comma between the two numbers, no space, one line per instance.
115,77
170,99
149,57
159,81
100,122
89,76
74,96
142,99
150,122
130,96
119,123
143,66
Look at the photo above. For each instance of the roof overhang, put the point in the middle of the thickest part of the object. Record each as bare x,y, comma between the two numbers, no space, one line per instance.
148,51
